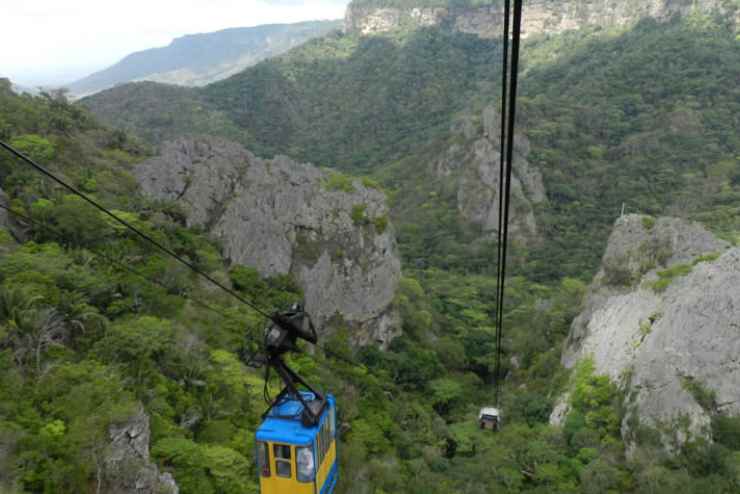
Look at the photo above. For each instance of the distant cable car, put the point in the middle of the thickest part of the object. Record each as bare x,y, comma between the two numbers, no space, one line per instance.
297,440
490,418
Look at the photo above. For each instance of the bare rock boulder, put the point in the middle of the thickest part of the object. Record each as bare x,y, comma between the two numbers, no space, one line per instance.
662,320
127,468
330,232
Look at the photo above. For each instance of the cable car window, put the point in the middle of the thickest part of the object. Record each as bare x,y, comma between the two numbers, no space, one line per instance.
263,460
282,460
305,463
332,421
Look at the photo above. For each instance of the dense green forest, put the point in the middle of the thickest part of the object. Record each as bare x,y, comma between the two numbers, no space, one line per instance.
647,118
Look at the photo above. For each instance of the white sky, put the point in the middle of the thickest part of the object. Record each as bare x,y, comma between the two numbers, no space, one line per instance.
57,41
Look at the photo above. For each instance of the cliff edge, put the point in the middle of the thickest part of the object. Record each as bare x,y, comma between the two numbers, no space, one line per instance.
330,232
368,17
662,319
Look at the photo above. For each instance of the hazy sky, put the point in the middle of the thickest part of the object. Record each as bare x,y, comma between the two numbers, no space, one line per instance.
58,41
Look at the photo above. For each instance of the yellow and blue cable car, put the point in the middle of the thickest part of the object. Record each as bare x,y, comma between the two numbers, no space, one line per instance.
293,458
296,444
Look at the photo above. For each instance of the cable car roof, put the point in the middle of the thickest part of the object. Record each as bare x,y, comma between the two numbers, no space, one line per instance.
490,411
283,423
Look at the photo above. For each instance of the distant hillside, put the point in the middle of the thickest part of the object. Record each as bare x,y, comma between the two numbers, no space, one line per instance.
23,89
199,59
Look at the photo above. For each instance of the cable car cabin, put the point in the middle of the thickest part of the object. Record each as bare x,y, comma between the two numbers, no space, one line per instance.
293,458
489,418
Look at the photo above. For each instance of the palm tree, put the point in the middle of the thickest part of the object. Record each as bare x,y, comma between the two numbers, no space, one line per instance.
33,331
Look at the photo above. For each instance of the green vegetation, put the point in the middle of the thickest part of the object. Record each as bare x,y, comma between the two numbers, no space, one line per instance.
338,181
381,223
646,118
595,403
667,276
705,397
648,222
358,215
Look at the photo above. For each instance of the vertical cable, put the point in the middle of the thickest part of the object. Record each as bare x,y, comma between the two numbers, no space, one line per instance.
507,149
499,232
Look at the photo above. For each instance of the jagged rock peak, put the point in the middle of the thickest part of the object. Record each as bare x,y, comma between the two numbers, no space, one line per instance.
329,231
662,320
127,467
474,162
541,16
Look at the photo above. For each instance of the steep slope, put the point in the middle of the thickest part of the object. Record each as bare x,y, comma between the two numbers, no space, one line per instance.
330,232
661,319
199,59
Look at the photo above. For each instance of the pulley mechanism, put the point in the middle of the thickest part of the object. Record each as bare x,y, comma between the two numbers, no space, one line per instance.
281,337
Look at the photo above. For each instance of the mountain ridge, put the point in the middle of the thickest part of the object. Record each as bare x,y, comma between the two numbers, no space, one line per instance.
542,17
199,59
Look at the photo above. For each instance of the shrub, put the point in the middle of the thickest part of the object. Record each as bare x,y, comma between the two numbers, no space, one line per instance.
667,276
726,431
370,183
704,396
381,223
648,222
338,182
358,214
35,146
595,399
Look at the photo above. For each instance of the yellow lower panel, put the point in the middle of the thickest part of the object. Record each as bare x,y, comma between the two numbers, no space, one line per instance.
325,468
276,485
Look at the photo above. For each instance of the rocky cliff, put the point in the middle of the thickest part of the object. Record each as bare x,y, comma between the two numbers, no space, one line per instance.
662,319
331,233
127,467
473,161
540,16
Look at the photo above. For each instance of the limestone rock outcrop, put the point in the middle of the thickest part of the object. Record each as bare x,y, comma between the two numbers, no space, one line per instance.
286,217
127,467
474,161
542,16
662,319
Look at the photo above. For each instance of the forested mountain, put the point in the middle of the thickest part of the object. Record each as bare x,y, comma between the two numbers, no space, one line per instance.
198,59
598,109
639,115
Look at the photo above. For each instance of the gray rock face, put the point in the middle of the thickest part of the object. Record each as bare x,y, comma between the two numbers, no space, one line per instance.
285,217
476,164
541,16
664,343
127,468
